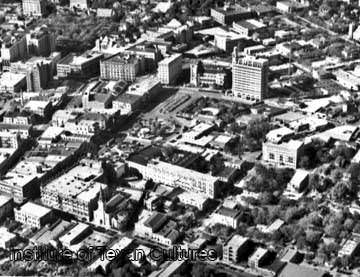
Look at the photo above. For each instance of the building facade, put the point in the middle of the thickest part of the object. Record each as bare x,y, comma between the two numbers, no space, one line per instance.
229,14
122,67
249,78
33,7
33,215
177,176
208,75
41,42
14,49
169,69
86,65
75,192
79,4
38,76
235,248
286,154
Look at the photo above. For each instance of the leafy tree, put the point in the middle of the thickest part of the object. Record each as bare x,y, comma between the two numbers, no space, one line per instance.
294,213
313,237
201,270
341,192
333,230
312,219
336,175
255,133
349,224
354,171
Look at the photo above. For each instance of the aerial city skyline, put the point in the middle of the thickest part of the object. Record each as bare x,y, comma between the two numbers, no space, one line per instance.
180,138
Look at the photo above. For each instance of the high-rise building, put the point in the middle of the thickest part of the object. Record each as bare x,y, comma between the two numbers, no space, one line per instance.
351,30
38,70
169,69
40,42
33,7
13,48
38,76
249,77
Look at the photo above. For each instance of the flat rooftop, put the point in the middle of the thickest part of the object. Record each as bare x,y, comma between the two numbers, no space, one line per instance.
258,254
73,59
237,240
220,31
232,10
170,59
143,85
122,59
127,98
10,79
4,199
34,209
228,212
5,235
251,24
76,183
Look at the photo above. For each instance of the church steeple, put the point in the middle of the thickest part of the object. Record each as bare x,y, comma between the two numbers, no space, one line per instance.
101,195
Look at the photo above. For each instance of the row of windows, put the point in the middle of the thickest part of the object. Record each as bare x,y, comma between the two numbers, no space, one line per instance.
281,158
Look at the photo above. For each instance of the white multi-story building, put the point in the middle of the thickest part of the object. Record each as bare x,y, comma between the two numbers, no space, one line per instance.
9,139
249,77
14,48
33,7
347,79
177,176
7,239
33,215
235,248
169,69
286,154
258,257
193,199
86,125
12,82
122,67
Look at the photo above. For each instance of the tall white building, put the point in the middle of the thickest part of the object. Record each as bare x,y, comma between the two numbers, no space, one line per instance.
249,77
169,69
14,48
33,7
